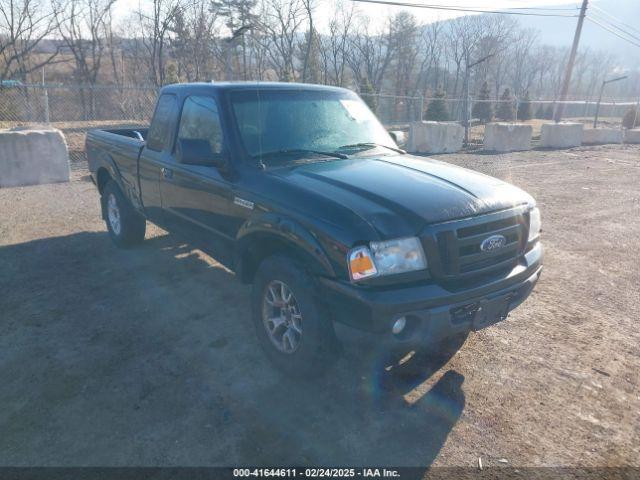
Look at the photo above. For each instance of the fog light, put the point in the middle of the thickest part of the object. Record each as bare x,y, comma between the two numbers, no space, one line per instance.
399,325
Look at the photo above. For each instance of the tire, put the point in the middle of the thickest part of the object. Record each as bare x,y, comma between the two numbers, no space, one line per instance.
307,321
126,226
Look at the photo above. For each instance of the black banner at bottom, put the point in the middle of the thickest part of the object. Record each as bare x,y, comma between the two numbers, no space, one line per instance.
397,473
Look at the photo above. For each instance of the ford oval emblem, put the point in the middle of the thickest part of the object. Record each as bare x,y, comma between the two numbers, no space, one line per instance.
494,242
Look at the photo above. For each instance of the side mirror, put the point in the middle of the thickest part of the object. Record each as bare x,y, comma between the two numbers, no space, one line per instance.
195,151
393,135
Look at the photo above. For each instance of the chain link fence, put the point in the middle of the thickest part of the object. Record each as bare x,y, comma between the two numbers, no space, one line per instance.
77,109
27,104
395,110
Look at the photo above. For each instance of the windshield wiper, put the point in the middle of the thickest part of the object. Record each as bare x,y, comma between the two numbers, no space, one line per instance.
299,151
372,145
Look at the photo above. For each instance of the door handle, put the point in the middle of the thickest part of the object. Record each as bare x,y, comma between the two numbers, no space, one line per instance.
166,172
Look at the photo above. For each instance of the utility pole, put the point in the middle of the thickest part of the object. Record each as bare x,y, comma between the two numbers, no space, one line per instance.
572,58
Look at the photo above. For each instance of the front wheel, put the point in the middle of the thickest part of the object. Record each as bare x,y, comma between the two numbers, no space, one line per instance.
126,226
292,326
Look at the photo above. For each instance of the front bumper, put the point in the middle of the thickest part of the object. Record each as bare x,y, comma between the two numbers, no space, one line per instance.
435,312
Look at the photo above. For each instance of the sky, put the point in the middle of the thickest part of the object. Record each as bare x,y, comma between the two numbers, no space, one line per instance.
553,30
378,13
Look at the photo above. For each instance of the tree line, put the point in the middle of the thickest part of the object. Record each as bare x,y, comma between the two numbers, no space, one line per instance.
168,41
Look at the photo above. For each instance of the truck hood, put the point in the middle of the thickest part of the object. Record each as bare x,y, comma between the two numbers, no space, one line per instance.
399,195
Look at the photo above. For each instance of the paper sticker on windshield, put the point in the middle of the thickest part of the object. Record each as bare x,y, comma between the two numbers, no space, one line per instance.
356,110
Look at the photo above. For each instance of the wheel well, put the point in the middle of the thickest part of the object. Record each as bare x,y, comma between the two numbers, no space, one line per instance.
264,246
102,178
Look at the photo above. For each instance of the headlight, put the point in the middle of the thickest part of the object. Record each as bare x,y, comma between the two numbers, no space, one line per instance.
387,258
534,224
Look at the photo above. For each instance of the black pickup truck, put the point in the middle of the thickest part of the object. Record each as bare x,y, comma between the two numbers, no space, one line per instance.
301,191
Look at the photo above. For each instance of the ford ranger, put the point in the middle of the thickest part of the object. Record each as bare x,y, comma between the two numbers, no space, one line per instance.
301,192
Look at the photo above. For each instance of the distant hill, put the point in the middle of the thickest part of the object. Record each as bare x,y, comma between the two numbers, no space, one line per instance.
559,31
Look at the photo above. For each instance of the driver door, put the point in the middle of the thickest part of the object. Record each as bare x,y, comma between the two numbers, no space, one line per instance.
196,199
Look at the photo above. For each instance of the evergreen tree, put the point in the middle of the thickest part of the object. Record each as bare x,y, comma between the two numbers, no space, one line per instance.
237,14
483,109
437,108
631,119
368,94
524,107
287,76
548,113
171,74
506,110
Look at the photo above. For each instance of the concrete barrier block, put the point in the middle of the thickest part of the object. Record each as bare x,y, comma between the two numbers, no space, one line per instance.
507,137
30,157
602,135
561,135
435,137
632,136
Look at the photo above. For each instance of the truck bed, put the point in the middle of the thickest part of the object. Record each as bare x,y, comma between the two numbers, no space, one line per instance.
137,133
119,149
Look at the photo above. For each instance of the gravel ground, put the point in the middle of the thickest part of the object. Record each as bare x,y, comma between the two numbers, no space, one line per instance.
147,357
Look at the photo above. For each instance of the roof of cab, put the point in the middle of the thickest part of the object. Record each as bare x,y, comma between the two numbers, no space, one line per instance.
180,88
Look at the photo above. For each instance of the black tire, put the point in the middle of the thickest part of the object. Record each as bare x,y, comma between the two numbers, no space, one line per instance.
131,226
317,346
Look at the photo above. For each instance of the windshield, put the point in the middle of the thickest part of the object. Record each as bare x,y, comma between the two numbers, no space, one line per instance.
305,121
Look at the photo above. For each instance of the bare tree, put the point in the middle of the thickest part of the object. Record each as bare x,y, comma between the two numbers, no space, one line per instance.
257,54
370,53
462,33
281,22
24,24
431,44
521,73
334,45
310,40
171,40
156,26
404,37
194,41
83,27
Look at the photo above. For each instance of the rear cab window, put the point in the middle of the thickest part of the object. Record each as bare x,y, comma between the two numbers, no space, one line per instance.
159,138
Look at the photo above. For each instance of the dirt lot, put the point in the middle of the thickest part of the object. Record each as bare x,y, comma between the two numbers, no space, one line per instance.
147,357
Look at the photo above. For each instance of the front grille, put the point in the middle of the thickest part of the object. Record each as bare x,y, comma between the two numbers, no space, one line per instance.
454,248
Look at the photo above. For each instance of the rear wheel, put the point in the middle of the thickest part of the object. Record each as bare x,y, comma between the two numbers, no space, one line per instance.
292,326
126,226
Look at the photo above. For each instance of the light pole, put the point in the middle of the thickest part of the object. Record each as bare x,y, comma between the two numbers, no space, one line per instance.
228,44
604,82
468,67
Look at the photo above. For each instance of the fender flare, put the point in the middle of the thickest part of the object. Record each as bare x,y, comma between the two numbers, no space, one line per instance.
287,231
108,163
